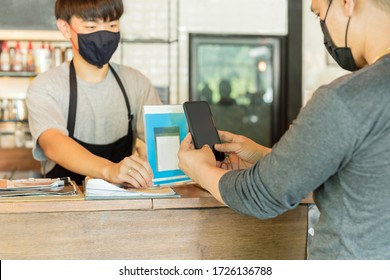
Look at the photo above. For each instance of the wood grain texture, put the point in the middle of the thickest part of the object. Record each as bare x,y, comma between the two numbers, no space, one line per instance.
74,206
191,196
194,226
216,233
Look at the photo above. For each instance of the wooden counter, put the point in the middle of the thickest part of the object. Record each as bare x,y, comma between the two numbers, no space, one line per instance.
194,226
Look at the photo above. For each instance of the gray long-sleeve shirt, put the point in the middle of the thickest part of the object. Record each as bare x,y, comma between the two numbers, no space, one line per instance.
338,147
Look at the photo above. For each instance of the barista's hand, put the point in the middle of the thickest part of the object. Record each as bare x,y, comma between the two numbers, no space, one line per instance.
131,170
242,151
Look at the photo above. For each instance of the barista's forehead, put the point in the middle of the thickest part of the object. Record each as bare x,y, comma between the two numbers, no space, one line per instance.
75,20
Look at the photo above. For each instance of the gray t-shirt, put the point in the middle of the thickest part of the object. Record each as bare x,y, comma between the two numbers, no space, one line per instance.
101,116
338,147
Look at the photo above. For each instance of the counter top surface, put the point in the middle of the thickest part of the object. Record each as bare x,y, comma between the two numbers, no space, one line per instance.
191,196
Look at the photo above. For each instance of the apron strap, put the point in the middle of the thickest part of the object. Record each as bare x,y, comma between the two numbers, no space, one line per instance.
129,115
73,98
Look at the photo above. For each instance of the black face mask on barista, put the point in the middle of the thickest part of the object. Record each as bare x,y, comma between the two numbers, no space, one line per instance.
343,56
98,47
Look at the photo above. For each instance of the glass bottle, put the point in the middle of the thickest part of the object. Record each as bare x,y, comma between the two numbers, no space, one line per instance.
5,64
30,64
17,59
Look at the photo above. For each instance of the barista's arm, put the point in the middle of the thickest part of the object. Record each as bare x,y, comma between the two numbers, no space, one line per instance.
66,152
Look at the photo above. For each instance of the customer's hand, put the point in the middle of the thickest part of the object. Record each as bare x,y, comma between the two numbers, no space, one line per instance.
192,160
242,151
200,165
132,170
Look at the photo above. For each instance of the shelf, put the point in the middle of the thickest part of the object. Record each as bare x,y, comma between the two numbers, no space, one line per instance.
148,41
157,48
17,74
31,35
13,121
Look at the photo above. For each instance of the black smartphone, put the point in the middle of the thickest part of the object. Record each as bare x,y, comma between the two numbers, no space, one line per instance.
201,126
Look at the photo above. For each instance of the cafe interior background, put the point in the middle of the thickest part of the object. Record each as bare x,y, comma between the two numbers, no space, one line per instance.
256,62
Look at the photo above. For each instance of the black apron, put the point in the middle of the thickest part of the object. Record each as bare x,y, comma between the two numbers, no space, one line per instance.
114,152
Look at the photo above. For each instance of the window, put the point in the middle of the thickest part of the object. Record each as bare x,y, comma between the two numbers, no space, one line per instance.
240,77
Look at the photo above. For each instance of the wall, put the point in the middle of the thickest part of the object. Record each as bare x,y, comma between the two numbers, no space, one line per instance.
13,87
147,19
318,67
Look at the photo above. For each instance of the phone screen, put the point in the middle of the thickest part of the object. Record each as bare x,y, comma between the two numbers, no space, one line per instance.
201,126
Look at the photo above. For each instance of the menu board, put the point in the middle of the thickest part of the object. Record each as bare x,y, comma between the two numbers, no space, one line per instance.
27,15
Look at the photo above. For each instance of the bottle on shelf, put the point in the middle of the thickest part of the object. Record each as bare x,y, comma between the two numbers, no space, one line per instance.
17,62
5,64
27,56
42,59
4,109
11,52
30,64
68,56
57,57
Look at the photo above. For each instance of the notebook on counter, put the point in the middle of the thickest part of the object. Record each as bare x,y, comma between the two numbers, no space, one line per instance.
101,189
165,128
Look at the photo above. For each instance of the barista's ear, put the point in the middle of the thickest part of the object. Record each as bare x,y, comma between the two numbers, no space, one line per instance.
64,27
349,7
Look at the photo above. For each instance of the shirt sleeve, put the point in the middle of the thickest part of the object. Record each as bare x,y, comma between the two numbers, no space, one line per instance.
315,147
44,111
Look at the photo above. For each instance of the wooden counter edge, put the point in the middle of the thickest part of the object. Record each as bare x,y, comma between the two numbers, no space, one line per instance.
191,196
194,196
74,206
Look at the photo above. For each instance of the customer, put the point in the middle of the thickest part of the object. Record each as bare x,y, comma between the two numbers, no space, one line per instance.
338,147
225,91
85,116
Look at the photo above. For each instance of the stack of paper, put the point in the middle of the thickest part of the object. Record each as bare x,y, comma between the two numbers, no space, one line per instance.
37,187
101,189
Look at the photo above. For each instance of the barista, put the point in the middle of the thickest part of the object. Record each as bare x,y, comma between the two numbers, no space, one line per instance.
86,115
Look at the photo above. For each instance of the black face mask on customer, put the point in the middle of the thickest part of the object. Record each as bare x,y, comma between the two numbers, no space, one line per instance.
98,47
343,56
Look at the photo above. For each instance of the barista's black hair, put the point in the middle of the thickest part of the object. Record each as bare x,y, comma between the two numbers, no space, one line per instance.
107,10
